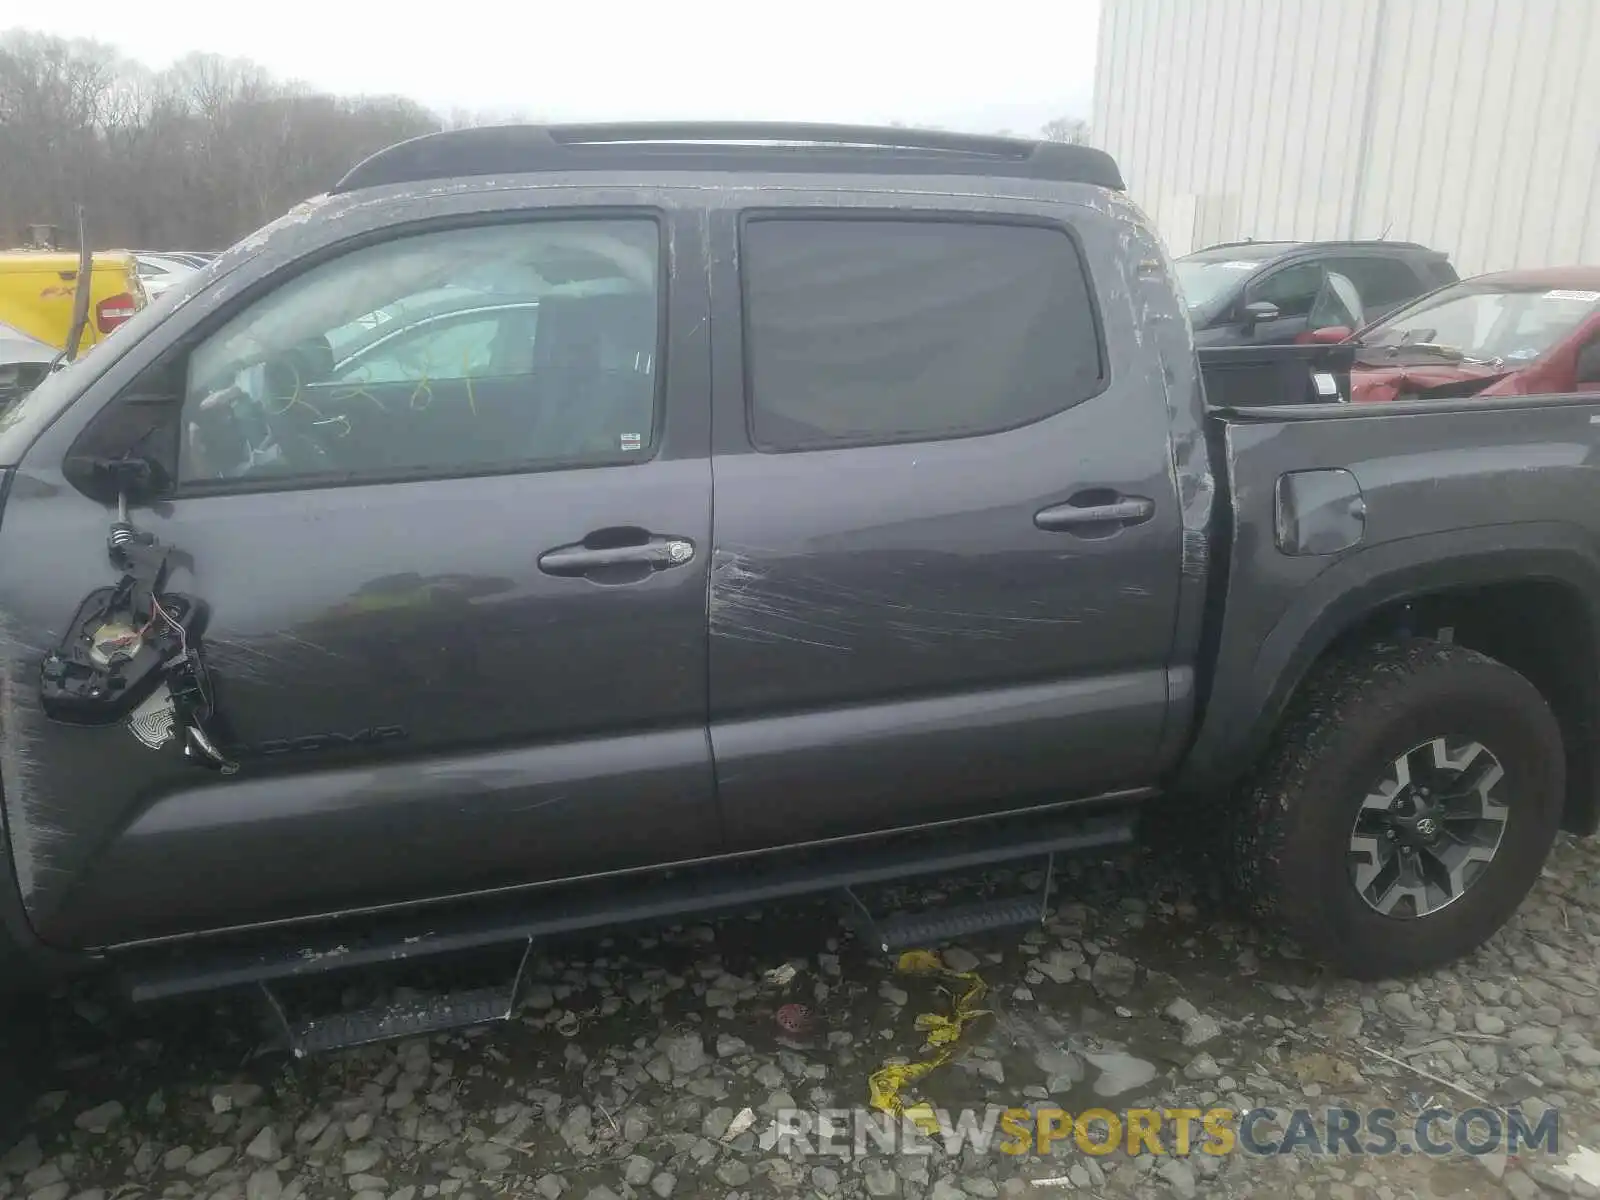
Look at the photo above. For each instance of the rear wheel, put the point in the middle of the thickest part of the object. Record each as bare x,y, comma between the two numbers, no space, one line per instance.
1405,810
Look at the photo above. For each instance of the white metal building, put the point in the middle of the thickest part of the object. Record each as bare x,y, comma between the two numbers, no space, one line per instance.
1472,126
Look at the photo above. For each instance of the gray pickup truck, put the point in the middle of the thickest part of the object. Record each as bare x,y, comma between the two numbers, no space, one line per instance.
558,526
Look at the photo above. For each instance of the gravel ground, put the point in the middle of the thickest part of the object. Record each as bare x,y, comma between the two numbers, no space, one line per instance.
629,1065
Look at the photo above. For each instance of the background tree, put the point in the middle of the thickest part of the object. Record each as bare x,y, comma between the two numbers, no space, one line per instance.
192,157
1066,129
195,156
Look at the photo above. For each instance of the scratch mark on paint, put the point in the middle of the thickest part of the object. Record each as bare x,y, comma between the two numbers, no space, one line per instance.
296,640
750,604
35,828
743,609
245,660
545,803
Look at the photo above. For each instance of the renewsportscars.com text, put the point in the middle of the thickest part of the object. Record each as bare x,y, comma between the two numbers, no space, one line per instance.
841,1132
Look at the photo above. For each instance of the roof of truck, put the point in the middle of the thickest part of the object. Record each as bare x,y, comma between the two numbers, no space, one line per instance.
746,147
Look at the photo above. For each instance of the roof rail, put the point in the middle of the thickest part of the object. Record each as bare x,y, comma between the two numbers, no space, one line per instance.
726,146
1392,242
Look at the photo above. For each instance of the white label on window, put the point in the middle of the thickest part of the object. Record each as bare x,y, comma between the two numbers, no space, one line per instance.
1326,384
1581,297
632,441
1241,264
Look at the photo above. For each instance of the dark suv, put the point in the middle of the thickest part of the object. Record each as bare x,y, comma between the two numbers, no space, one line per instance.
1264,293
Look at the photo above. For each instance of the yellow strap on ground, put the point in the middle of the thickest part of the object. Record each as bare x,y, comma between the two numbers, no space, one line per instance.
889,1082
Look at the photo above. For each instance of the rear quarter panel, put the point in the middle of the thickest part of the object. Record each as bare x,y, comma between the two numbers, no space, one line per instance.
1456,494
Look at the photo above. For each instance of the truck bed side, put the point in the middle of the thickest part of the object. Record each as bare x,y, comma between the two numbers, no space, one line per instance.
1366,519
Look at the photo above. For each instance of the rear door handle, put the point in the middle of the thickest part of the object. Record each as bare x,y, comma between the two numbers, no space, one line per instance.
658,553
1075,515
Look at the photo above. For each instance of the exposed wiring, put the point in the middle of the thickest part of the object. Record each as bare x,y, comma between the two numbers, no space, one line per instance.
183,638
466,374
423,387
201,675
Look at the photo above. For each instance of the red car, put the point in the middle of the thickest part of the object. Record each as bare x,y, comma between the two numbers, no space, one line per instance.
1510,333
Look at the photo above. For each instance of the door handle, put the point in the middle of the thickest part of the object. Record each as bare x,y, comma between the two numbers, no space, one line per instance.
1075,515
658,553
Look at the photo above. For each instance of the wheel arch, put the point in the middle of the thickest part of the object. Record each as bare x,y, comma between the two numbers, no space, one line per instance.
1527,595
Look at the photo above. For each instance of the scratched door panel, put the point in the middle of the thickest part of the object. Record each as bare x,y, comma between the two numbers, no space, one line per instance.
893,638
419,710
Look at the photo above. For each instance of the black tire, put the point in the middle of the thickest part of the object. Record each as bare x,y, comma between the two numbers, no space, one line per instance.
1293,824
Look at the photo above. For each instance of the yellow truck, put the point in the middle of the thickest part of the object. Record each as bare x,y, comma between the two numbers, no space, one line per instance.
37,288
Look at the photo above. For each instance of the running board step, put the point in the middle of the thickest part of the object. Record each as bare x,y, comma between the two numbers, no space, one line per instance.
409,1013
934,926
154,972
941,925
407,1018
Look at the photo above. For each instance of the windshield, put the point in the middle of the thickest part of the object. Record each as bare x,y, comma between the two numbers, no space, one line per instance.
1487,323
1204,283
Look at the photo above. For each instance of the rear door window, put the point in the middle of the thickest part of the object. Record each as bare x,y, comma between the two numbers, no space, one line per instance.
1382,282
868,331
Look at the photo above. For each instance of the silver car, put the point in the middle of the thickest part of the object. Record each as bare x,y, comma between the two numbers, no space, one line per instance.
24,361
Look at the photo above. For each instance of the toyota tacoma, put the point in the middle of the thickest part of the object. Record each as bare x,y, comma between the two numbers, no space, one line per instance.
556,526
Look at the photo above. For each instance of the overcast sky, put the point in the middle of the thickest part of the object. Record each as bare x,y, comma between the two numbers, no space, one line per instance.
983,66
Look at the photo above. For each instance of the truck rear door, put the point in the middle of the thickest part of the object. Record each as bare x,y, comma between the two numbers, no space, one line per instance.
947,541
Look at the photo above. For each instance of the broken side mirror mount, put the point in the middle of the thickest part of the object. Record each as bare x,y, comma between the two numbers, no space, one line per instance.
130,481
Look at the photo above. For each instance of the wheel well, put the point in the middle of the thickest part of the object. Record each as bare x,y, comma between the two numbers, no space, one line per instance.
1541,630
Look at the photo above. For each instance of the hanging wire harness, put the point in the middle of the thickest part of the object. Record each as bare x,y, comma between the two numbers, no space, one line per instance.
129,643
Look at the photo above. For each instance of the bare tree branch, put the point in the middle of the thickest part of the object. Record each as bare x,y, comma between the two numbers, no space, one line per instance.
193,156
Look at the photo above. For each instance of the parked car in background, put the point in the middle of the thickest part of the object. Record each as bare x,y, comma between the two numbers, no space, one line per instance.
1264,293
158,272
1511,333
24,361
192,258
37,288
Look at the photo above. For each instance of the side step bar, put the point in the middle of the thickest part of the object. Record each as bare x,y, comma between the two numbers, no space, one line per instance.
413,1018
940,925
616,901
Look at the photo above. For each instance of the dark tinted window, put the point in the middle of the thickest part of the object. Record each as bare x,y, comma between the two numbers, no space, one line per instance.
1441,272
1294,289
864,331
1382,282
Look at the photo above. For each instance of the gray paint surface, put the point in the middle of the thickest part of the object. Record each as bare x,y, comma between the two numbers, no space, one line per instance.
865,638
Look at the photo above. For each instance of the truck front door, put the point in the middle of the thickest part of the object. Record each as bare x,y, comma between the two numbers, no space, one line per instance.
947,543
450,512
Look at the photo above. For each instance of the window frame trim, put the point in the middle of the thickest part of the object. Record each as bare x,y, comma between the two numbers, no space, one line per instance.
181,349
902,216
